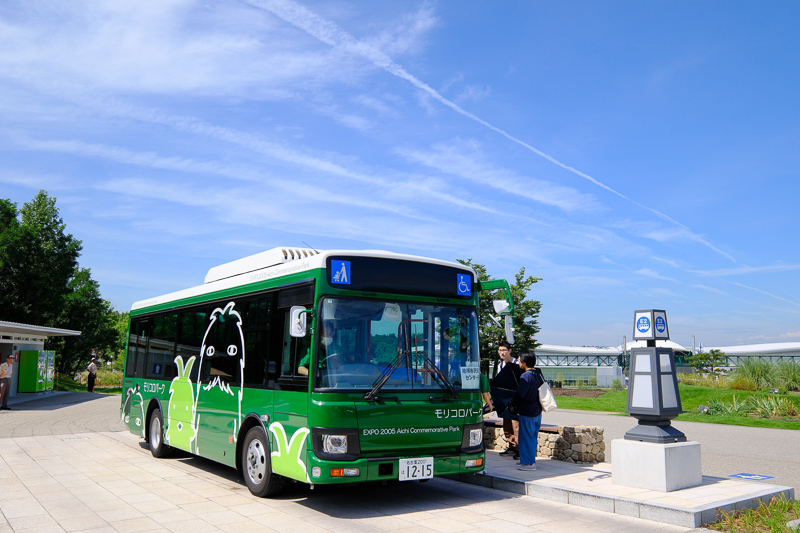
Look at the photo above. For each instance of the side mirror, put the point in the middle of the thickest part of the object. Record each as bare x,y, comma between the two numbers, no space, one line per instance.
297,321
500,306
509,329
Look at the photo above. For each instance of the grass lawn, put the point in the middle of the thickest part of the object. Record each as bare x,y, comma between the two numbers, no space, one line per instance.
64,383
691,398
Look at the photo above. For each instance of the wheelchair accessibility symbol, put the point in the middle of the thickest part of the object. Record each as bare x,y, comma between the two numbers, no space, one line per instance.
464,285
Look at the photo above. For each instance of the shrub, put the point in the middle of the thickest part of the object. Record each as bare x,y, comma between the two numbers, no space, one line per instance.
616,384
789,374
771,406
742,383
560,377
700,380
593,381
759,371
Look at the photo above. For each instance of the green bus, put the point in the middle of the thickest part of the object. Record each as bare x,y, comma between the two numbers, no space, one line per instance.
319,367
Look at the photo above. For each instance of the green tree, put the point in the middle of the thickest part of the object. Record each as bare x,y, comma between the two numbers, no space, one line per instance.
120,321
41,282
83,309
526,316
708,362
37,260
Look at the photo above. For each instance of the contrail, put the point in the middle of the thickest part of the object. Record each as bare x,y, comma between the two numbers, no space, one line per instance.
330,34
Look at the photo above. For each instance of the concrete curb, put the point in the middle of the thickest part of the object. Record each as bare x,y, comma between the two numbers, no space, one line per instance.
694,517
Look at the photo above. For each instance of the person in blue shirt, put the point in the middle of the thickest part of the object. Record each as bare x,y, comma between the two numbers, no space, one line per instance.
529,410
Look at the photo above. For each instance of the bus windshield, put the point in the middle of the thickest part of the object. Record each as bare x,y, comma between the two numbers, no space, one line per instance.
396,346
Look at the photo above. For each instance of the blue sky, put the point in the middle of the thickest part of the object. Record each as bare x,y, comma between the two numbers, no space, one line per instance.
634,155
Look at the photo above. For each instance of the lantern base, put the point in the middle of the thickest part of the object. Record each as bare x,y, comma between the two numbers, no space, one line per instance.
653,432
659,467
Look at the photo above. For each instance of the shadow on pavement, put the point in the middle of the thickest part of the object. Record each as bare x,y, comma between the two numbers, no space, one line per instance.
56,400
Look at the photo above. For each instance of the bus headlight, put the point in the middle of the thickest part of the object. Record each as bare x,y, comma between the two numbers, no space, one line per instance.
475,437
334,443
472,440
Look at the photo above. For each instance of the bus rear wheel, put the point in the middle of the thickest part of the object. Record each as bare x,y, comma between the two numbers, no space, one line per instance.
258,474
156,441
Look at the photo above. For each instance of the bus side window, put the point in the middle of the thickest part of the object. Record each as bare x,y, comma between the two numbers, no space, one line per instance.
257,316
192,326
143,334
130,360
296,352
161,353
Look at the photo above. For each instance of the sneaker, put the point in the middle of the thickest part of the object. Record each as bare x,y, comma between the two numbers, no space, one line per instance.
526,467
516,455
507,452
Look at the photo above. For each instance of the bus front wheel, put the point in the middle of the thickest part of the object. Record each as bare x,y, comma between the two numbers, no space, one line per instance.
157,446
258,474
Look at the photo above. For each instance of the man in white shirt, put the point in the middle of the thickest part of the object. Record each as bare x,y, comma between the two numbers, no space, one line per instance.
92,375
6,371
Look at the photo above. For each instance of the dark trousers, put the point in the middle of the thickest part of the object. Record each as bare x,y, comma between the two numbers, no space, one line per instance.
91,382
5,388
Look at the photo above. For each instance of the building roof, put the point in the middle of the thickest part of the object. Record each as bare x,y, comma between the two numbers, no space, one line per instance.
554,349
772,348
15,330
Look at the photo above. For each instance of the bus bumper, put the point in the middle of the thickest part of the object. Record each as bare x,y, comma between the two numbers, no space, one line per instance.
322,471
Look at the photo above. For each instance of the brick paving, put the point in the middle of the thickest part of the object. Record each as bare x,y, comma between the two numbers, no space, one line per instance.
66,466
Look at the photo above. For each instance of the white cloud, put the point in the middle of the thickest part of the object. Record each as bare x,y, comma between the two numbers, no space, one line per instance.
408,34
465,160
710,289
162,47
652,274
744,269
473,94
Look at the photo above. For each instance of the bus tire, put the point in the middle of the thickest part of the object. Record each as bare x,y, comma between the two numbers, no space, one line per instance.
156,441
256,465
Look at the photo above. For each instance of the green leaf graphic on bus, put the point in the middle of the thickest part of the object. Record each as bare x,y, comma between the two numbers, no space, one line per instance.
286,458
180,432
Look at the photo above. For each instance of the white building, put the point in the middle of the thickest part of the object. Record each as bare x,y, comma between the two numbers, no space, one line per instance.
604,363
15,337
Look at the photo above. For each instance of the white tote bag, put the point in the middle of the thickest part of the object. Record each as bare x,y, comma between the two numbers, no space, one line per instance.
546,398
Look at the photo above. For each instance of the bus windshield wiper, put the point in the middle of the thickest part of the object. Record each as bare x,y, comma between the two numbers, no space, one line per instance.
384,378
446,382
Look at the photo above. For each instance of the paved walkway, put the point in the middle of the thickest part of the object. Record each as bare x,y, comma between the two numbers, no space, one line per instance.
60,413
590,485
109,482
106,480
725,450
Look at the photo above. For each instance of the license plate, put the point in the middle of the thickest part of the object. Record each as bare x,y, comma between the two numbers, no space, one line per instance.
420,468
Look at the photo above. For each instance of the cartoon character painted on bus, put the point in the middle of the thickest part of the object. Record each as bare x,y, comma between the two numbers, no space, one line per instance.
223,338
